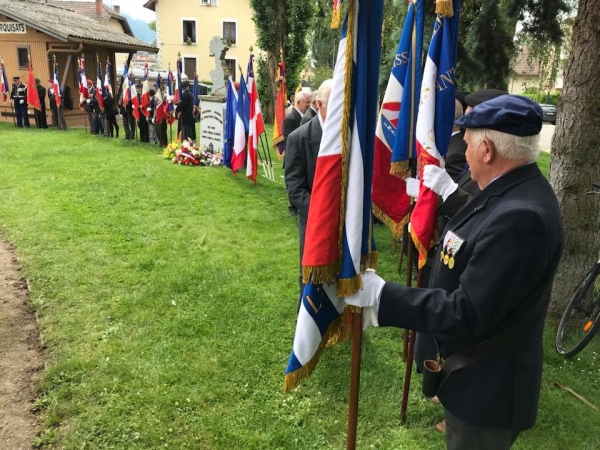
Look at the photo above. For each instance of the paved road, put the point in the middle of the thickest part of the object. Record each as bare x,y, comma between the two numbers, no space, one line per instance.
546,137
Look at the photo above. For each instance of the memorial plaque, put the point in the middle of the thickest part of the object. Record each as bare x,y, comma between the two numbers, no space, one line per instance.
212,122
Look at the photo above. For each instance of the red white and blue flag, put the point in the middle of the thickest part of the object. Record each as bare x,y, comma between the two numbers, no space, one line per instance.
135,100
394,139
256,125
168,108
178,88
435,122
100,92
126,87
107,83
238,158
56,86
83,89
339,243
159,112
3,82
146,92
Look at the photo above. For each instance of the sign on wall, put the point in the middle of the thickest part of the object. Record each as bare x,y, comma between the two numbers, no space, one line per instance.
12,28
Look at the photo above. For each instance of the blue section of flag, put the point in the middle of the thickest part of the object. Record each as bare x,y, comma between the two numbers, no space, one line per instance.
101,80
179,71
405,148
230,117
243,107
196,91
442,51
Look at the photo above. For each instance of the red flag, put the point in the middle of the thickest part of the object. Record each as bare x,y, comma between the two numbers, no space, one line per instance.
32,94
252,161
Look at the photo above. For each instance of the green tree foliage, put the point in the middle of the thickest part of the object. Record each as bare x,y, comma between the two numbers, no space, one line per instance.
282,25
152,25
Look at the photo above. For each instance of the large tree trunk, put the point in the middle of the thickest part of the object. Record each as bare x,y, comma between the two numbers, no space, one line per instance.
575,155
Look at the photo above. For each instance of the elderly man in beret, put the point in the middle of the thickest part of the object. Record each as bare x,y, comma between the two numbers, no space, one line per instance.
490,285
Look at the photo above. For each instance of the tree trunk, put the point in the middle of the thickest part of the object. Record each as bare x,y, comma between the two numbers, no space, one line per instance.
575,158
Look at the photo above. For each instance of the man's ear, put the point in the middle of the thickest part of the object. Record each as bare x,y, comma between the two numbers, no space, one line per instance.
489,152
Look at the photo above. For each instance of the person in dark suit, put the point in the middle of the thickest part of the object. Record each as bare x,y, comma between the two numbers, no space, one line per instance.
290,124
18,95
312,110
455,156
40,116
491,282
301,161
58,112
112,127
185,108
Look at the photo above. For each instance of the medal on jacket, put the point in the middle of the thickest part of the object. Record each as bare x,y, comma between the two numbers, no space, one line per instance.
452,244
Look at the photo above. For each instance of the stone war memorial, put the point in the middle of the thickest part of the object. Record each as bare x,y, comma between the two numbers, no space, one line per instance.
212,117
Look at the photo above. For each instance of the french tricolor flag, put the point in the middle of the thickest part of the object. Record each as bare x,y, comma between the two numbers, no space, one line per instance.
3,82
339,244
56,86
435,121
256,125
100,93
107,83
394,139
145,92
126,87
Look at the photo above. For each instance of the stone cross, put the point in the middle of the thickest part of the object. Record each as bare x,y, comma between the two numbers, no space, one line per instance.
218,48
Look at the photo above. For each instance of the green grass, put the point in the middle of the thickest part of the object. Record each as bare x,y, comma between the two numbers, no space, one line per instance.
543,163
167,297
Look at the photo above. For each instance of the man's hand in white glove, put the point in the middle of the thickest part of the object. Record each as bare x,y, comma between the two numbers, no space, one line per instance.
21,102
368,297
412,187
148,109
438,180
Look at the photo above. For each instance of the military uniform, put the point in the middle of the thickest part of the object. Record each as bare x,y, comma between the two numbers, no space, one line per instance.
186,109
19,96
58,112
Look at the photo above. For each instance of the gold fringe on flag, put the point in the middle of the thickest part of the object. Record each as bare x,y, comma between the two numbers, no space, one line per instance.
348,286
369,261
400,169
420,248
339,330
336,19
444,7
395,227
320,274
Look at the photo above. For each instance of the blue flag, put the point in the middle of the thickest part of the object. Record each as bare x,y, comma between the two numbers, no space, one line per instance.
196,91
230,116
244,103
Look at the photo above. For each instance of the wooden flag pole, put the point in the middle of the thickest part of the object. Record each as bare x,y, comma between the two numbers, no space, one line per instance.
354,379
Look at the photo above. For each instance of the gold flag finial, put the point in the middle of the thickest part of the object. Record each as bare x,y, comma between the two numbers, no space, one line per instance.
251,49
281,54
54,57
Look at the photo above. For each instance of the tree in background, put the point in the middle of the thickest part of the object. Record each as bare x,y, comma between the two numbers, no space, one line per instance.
152,26
575,155
282,25
324,43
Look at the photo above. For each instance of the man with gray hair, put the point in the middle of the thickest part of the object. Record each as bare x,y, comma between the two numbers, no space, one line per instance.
301,161
490,285
312,110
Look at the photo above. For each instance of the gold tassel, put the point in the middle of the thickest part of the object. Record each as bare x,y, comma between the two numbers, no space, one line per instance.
400,169
338,331
444,7
349,286
420,248
320,274
336,19
395,227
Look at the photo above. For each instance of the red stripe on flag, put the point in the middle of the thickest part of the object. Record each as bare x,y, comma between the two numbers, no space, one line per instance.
391,204
323,227
423,220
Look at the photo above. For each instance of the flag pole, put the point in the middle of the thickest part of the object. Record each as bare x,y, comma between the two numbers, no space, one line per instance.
12,108
409,335
354,378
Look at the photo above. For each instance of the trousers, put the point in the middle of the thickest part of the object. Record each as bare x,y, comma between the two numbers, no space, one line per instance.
461,435
58,118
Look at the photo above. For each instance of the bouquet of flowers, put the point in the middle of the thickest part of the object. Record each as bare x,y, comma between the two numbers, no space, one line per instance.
187,153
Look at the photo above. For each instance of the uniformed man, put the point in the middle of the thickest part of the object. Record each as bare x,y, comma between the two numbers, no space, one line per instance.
18,95
490,285
185,108
110,111
152,118
58,112
40,116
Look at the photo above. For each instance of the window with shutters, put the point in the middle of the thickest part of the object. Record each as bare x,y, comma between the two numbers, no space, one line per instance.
208,2
231,67
22,57
189,31
230,32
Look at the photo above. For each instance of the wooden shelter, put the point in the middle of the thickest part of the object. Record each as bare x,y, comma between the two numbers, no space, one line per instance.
42,30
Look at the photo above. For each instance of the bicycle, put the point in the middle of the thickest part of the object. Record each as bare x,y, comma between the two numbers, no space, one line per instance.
581,319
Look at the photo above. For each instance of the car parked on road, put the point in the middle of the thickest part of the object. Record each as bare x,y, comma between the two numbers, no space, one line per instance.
549,113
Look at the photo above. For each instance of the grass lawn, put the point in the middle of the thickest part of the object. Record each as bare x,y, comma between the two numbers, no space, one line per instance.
167,297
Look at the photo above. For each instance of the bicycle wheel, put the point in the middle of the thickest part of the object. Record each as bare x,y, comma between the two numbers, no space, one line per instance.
581,318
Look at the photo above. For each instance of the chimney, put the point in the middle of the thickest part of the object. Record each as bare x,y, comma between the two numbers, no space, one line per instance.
99,8
117,9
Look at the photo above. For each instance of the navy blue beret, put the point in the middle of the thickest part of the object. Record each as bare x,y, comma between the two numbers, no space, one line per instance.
512,114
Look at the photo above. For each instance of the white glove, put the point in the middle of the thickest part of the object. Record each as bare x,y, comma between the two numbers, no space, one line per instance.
21,102
152,121
412,187
170,98
438,180
88,100
148,109
368,297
